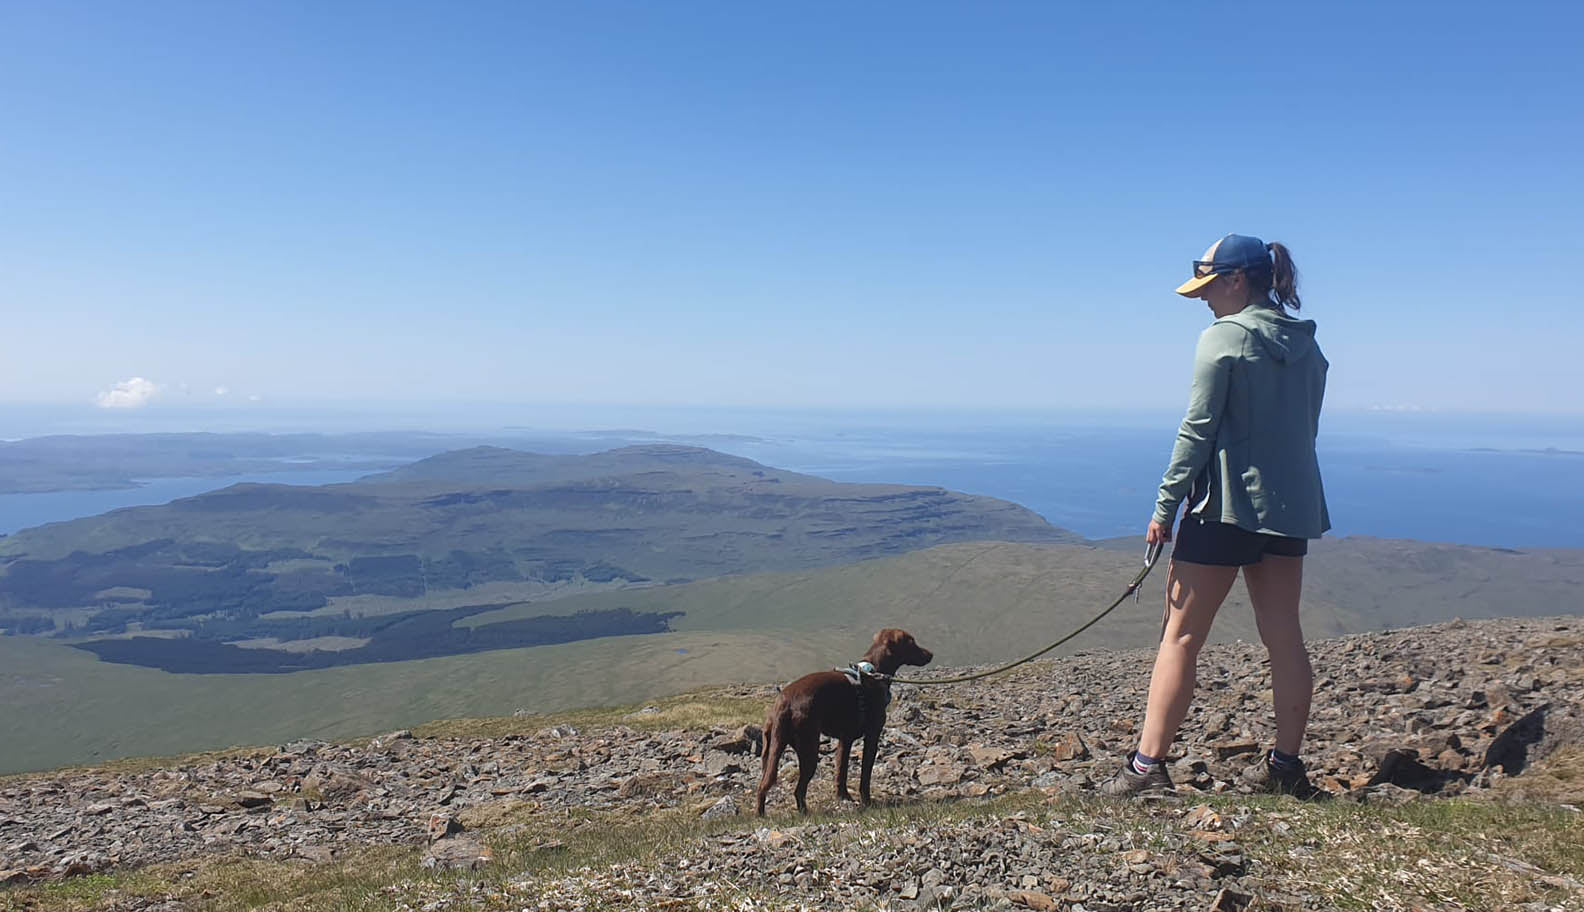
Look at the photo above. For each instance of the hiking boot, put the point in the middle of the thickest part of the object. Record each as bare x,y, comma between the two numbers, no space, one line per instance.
1280,778
1127,782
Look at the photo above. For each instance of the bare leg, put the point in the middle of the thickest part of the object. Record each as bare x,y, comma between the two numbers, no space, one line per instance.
1194,592
807,747
1274,587
843,750
871,749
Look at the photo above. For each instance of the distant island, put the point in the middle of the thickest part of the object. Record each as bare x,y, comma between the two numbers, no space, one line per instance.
271,565
107,462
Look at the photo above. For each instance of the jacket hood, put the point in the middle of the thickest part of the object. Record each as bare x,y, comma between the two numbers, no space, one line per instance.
1286,339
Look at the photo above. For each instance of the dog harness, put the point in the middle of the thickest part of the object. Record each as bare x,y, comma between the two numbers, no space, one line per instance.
856,673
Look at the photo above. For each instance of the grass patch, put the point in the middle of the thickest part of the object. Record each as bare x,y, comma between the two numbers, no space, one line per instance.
1558,779
1457,854
701,711
227,883
135,765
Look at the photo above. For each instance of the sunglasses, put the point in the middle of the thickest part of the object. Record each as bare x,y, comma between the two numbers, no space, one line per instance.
1202,268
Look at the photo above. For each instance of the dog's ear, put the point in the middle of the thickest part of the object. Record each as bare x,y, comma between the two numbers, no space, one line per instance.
891,636
884,644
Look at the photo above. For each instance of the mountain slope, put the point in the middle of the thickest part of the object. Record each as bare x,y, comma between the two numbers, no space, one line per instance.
970,603
486,515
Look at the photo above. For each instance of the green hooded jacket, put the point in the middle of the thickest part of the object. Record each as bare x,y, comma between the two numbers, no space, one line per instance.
1246,448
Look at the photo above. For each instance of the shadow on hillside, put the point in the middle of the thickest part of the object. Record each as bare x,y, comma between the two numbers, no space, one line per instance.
415,635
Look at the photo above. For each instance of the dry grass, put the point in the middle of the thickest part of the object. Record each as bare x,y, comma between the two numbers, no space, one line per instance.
1558,779
698,711
702,711
133,765
227,883
1444,855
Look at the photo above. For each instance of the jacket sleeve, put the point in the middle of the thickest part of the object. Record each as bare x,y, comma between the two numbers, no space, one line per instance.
1219,346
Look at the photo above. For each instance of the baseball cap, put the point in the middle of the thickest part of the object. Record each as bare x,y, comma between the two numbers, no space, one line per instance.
1231,253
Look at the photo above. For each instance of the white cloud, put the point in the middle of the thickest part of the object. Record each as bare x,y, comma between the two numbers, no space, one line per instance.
128,394
222,390
255,398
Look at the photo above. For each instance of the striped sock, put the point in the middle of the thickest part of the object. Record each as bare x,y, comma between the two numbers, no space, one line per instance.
1283,761
1142,762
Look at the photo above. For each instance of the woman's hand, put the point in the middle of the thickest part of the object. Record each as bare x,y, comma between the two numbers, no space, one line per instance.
1157,534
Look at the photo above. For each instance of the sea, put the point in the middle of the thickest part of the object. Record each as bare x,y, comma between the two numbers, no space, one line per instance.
1492,480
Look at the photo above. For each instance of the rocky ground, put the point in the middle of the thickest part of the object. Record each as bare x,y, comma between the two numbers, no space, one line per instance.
1399,716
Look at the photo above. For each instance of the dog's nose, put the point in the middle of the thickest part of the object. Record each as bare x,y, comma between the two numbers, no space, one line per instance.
928,656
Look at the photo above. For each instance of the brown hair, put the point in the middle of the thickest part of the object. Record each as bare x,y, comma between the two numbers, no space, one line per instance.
1280,282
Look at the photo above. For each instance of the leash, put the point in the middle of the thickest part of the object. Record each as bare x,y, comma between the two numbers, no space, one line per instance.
1151,555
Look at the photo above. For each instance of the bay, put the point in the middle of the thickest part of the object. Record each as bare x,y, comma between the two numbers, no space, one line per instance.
22,511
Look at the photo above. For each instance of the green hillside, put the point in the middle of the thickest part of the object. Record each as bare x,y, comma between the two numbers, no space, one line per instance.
971,603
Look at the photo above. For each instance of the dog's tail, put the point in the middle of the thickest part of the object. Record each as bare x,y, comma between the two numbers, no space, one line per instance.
762,745
771,743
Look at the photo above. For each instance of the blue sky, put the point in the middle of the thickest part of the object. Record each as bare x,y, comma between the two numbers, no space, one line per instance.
777,205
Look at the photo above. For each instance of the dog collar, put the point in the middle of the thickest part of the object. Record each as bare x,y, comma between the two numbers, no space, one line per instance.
857,671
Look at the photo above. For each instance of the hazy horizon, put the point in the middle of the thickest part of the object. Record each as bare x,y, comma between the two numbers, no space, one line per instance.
25,420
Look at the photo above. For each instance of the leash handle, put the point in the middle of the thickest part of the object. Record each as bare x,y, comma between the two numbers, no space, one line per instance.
1152,553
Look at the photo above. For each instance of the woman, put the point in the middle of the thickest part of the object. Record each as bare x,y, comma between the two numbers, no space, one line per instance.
1245,463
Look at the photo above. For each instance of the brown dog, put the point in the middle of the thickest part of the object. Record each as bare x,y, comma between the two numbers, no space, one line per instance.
829,703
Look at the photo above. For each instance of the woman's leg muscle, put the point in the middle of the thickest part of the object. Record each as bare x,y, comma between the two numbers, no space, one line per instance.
1194,592
1275,585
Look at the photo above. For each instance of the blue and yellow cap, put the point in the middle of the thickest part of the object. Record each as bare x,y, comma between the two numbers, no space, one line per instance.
1231,253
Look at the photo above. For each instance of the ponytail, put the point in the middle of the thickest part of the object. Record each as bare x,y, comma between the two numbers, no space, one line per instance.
1275,284
1284,276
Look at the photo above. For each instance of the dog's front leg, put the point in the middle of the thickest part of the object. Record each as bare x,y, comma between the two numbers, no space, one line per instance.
871,748
843,751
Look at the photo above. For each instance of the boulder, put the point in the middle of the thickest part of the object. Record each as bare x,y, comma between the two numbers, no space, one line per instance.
1033,899
441,825
249,798
1229,900
726,806
1383,793
1534,736
719,763
941,773
458,853
1069,748
740,742
318,854
988,757
334,783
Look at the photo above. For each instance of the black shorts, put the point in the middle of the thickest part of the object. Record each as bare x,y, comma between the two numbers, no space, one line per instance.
1225,545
